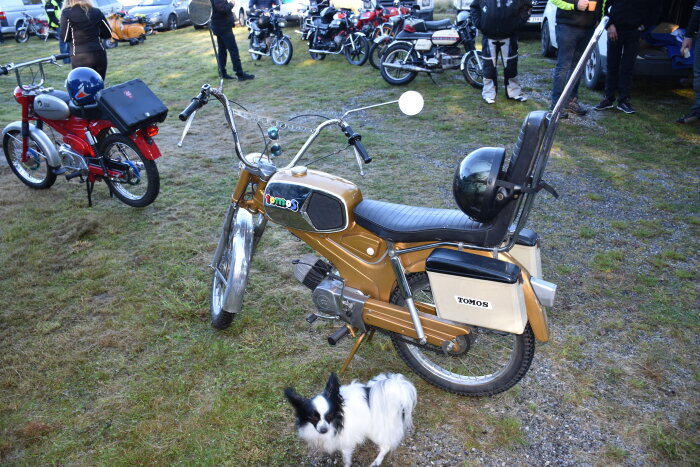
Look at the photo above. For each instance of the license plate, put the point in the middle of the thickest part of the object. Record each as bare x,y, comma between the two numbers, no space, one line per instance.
535,19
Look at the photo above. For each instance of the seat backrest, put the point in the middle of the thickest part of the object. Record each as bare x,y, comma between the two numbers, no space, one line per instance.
528,146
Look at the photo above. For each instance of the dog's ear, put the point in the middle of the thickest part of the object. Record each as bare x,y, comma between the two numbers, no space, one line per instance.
332,387
295,399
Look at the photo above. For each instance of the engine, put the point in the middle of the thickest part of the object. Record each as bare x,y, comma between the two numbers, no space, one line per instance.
330,295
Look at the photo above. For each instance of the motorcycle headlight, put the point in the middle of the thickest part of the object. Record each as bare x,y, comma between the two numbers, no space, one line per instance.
282,24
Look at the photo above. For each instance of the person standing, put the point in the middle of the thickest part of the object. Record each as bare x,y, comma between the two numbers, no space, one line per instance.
690,32
83,26
628,18
576,21
499,22
53,13
222,20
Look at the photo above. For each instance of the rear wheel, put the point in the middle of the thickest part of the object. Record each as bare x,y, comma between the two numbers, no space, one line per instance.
593,74
546,46
395,56
472,69
281,51
21,35
312,44
172,22
375,53
133,179
488,363
33,172
356,49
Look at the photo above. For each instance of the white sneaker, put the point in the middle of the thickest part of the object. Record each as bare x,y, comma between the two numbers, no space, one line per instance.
520,98
490,100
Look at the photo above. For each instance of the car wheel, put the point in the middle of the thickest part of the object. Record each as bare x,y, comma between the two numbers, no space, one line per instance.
593,74
548,49
172,22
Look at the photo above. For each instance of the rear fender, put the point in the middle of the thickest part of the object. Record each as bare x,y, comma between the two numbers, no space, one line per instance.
146,145
44,142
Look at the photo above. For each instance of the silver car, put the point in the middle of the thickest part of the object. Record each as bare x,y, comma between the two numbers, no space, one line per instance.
164,14
11,13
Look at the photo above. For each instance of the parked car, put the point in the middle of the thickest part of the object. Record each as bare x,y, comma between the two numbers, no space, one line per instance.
163,14
289,9
107,7
426,6
536,14
651,61
11,13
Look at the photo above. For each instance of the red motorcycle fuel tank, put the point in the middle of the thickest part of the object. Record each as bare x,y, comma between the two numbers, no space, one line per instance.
310,200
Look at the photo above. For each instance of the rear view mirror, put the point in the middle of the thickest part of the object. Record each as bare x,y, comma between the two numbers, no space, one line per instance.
411,102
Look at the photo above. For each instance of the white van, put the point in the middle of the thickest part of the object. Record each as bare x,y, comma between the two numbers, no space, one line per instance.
651,61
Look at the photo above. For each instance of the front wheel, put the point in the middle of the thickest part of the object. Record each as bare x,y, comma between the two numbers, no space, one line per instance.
375,54
488,363
313,44
21,35
35,171
281,51
110,43
394,58
356,49
472,68
593,74
172,22
132,178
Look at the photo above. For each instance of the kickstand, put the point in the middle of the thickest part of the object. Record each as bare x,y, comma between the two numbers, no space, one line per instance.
353,351
89,185
432,79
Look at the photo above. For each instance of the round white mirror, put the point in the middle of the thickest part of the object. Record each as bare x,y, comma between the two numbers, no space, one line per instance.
411,102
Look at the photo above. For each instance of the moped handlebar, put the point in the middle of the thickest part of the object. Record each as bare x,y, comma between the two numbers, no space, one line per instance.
198,102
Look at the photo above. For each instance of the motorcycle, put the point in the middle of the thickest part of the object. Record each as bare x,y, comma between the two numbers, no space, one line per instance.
387,34
370,21
334,33
267,39
30,25
109,140
308,15
433,47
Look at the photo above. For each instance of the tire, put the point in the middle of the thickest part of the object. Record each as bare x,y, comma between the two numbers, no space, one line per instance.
132,188
231,265
473,372
472,69
172,22
110,43
399,52
281,51
315,56
35,172
21,36
546,46
149,30
375,54
241,17
358,54
593,73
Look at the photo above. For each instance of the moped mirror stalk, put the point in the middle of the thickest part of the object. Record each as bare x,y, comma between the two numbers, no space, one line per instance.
410,103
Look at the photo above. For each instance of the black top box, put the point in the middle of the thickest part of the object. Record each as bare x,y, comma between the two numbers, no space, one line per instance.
131,105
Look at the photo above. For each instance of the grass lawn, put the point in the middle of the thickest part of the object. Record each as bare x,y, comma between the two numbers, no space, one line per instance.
107,356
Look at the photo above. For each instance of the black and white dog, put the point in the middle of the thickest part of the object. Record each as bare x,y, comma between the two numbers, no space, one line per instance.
341,417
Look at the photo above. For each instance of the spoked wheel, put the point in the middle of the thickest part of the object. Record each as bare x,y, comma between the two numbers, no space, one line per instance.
133,178
472,68
33,172
395,56
21,35
375,53
356,49
312,45
489,362
281,51
231,264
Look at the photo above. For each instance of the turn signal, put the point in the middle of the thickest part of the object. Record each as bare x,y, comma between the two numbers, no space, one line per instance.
409,28
150,131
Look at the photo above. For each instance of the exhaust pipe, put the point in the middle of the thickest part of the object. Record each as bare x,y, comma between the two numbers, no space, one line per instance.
323,52
405,67
257,52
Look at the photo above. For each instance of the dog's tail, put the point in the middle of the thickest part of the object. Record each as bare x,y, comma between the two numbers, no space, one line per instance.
392,399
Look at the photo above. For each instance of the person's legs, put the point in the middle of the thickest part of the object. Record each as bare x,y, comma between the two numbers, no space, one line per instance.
63,47
510,69
695,109
489,56
630,47
612,78
221,53
566,41
582,37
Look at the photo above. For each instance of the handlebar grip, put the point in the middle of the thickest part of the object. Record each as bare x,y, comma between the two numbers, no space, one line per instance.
3,70
337,335
61,56
362,151
196,103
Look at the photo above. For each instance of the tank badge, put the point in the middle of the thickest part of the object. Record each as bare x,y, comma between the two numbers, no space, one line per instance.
290,204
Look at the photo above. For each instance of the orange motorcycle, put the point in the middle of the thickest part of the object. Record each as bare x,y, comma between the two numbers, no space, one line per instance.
459,291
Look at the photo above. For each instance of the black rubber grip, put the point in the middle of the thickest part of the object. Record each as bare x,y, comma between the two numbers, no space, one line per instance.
194,105
337,335
61,56
362,151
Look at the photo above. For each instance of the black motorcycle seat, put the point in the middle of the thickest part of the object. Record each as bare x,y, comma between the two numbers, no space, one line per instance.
412,36
437,25
401,223
88,111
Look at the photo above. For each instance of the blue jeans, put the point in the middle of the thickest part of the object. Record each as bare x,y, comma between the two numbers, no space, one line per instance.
572,41
63,47
696,78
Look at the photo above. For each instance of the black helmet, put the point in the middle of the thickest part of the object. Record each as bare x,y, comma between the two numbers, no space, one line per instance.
476,184
462,16
328,13
263,21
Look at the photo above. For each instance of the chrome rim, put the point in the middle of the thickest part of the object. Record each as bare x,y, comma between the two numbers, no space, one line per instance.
398,56
124,153
280,51
591,65
35,169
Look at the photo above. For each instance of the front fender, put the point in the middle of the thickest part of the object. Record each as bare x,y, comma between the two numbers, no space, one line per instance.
45,144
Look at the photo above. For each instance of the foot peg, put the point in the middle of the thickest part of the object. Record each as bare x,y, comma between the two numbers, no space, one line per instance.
311,318
58,170
337,335
73,175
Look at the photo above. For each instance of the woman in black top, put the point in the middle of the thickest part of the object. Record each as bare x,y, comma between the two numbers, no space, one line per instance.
84,27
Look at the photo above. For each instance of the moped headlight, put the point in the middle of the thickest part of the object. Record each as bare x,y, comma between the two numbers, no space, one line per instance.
282,24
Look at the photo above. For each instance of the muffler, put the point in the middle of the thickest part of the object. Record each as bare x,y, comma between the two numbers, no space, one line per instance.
406,67
257,52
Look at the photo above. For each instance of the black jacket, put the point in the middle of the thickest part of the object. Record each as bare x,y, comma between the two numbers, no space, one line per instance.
499,19
630,14
84,30
694,23
221,16
567,13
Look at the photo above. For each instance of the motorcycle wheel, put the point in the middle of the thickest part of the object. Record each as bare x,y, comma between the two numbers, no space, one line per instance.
491,361
110,43
232,262
35,172
143,185
401,53
281,51
21,36
148,30
472,70
357,54
314,55
375,54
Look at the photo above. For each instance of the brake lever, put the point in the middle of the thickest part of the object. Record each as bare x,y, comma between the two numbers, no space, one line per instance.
188,123
359,161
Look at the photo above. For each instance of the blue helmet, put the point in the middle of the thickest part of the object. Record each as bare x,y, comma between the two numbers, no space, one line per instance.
83,84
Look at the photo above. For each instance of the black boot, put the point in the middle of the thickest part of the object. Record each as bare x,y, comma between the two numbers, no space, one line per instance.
243,76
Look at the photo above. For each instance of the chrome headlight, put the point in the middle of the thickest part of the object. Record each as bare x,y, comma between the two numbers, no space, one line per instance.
281,24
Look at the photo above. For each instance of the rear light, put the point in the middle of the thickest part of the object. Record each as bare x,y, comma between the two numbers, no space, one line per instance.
409,28
150,131
3,16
